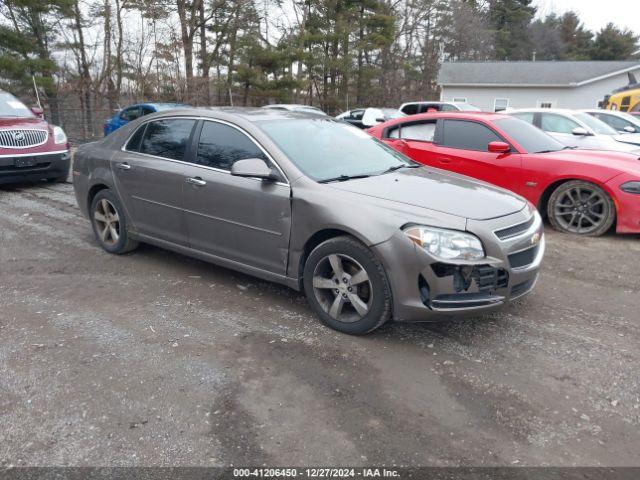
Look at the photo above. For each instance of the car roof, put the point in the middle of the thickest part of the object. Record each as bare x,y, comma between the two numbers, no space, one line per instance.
464,115
561,111
432,102
602,110
250,114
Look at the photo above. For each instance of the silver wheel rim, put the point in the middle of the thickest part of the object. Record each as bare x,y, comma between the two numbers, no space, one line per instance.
580,210
342,288
107,221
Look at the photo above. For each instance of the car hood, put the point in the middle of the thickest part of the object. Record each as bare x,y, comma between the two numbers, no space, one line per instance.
23,122
622,161
632,138
437,190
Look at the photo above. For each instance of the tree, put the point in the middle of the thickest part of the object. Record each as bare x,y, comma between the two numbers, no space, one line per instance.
545,36
577,40
611,43
510,19
26,42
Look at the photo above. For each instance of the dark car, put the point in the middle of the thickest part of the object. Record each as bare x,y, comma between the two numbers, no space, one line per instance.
316,205
30,148
132,112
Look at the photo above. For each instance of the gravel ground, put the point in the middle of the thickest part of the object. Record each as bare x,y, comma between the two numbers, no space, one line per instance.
153,358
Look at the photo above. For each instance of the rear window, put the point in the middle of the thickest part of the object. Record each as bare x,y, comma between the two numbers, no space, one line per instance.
167,138
133,145
410,109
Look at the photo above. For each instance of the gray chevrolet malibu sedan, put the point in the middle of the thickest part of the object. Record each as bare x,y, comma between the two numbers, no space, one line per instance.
316,205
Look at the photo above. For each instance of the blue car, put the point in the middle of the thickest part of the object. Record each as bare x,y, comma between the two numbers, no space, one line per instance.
132,112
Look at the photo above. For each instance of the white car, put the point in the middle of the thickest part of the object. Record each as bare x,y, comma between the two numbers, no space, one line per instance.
620,121
579,129
413,108
370,116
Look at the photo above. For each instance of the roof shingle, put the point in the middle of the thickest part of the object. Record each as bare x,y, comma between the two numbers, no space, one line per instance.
527,73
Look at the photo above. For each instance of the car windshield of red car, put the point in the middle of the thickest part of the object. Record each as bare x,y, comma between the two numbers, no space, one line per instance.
531,138
10,106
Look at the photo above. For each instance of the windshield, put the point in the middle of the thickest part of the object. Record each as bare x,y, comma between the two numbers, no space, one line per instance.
10,106
598,126
628,117
326,149
531,138
466,107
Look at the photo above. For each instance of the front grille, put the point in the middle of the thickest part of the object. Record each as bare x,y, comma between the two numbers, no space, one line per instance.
524,257
515,230
13,168
22,138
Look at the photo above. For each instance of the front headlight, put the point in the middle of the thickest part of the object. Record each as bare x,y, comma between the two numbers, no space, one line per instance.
446,244
59,136
631,187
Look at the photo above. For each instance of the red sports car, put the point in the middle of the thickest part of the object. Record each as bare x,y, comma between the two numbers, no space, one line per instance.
581,191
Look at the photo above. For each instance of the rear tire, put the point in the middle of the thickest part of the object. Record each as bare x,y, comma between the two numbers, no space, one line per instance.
347,286
581,208
109,223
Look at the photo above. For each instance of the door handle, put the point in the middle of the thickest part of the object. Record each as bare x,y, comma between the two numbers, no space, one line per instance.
445,160
197,181
123,166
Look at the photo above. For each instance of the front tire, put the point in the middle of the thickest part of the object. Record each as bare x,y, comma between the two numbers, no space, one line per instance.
109,224
581,207
347,286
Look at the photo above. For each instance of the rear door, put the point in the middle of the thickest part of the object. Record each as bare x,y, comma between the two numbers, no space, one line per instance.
149,175
464,145
246,220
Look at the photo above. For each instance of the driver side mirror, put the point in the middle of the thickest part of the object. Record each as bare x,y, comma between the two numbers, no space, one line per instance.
629,129
499,147
581,132
37,111
253,168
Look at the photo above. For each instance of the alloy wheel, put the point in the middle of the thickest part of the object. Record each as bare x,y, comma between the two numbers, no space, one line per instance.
107,222
580,210
342,287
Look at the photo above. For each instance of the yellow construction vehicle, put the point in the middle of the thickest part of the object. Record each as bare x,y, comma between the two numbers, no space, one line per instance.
625,99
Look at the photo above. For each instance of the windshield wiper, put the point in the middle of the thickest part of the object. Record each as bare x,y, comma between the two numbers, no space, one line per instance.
559,150
343,178
398,167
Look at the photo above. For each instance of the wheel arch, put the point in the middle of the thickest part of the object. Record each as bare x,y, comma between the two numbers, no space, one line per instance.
93,191
316,239
543,201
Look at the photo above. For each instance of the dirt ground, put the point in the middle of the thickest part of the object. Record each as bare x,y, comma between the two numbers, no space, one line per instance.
153,358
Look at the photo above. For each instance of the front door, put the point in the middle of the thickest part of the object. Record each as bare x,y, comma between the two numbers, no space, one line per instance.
246,220
149,175
464,145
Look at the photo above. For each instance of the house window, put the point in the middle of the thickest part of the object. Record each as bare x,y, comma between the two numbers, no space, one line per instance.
500,104
459,99
546,104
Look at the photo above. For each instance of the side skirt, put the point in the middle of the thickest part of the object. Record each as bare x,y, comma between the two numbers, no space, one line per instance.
292,283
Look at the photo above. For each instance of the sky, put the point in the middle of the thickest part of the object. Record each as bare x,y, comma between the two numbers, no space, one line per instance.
595,14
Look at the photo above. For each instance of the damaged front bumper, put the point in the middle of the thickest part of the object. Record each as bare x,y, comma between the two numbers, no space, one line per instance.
425,288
